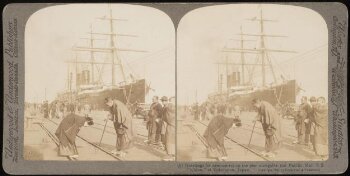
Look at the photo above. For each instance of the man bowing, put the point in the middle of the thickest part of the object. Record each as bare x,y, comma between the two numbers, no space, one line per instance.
67,131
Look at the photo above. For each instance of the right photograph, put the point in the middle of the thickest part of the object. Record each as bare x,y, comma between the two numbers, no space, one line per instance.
252,84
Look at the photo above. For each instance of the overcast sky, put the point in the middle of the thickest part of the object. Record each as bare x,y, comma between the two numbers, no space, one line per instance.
203,32
51,32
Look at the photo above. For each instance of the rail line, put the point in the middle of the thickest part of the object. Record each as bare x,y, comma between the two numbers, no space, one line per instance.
152,147
246,124
241,145
54,139
110,132
246,129
94,145
200,137
256,132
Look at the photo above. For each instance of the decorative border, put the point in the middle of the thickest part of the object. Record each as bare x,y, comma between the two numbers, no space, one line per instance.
14,20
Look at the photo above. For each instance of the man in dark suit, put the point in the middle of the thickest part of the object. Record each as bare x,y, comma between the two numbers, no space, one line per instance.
153,124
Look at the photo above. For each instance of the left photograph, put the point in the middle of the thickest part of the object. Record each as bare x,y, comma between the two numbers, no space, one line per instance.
99,84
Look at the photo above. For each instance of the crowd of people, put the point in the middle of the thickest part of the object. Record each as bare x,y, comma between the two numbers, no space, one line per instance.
311,121
208,110
161,124
311,124
59,109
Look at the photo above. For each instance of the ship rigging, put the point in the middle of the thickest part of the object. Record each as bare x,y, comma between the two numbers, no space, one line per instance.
239,89
90,89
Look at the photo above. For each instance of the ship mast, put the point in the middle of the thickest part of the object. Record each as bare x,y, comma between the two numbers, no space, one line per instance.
114,53
92,56
262,50
262,47
111,50
242,57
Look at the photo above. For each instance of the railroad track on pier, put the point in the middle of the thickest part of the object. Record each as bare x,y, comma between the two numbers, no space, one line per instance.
242,145
258,128
107,131
200,137
137,142
104,125
95,145
54,139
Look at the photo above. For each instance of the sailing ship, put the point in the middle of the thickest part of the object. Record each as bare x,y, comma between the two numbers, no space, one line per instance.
89,85
239,89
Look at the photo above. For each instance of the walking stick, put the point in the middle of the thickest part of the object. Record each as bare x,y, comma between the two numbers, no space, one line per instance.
103,132
251,135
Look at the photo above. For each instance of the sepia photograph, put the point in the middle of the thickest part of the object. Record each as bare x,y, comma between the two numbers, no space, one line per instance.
252,84
99,84
175,88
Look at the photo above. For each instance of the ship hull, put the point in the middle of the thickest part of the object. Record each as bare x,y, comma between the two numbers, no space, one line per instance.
280,94
131,93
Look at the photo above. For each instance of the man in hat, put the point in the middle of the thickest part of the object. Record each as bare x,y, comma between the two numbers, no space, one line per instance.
45,109
203,112
301,120
164,102
236,110
310,130
270,121
195,110
320,120
122,120
53,110
67,131
168,117
153,126
87,110
212,109
216,131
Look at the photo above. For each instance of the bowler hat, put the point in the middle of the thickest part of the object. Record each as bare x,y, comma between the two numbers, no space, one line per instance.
164,98
312,99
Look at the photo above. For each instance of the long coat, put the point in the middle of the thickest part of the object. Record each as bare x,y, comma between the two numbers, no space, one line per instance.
169,119
67,132
271,124
321,129
154,113
122,116
215,133
304,113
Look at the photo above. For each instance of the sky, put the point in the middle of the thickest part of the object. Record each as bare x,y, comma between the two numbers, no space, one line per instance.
52,32
202,33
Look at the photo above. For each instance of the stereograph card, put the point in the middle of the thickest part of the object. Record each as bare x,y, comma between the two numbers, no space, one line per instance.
175,88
